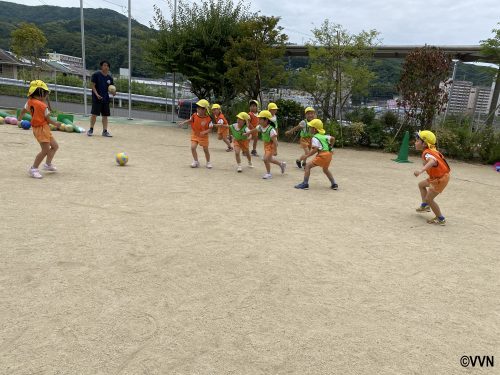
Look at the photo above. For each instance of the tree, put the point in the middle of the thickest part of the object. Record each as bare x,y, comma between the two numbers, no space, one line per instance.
338,67
28,42
195,43
254,60
423,84
491,48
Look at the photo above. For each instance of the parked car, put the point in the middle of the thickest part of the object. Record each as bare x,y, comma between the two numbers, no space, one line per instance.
186,107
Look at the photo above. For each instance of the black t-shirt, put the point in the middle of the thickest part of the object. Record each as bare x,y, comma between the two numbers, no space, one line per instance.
102,83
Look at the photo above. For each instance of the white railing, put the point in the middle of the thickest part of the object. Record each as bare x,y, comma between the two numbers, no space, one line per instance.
79,90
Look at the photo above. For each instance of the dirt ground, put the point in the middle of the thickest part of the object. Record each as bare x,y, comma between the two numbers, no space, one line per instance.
157,268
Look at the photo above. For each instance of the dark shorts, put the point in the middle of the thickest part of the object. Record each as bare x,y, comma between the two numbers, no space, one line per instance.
100,108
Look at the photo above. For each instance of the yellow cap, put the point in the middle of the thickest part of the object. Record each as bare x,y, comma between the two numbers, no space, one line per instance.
272,106
243,116
38,84
309,109
317,124
265,114
216,106
203,104
427,136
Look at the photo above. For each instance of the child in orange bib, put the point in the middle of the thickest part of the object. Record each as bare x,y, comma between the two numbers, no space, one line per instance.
439,174
222,126
201,124
40,120
254,122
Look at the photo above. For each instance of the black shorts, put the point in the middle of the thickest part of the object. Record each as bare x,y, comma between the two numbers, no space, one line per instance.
100,108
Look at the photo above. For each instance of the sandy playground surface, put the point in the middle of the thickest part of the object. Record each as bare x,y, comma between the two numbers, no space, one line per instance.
157,268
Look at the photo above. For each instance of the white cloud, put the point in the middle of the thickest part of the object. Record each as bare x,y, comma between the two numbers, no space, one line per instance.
411,22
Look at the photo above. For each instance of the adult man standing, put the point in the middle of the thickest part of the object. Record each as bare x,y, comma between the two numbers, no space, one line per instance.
101,80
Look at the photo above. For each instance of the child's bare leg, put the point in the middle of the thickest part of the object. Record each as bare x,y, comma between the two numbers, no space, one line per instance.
226,141
255,144
194,145
237,154
274,161
329,175
249,157
431,194
267,158
422,186
53,149
42,154
207,153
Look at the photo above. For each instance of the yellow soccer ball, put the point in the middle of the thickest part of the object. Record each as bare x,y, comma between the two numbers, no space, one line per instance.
122,158
62,128
112,89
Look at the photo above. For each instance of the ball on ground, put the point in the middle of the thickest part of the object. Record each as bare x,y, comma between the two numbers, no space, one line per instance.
1,120
121,158
68,128
25,124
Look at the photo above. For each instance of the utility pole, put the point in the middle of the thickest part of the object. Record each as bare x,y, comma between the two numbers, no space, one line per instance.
83,58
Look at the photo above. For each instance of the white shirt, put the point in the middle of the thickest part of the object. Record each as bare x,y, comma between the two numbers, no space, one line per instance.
47,112
316,143
272,133
302,124
429,156
237,127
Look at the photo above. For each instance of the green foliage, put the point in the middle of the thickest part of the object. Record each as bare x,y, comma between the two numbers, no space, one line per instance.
290,113
338,67
491,48
106,34
420,85
195,44
254,60
28,42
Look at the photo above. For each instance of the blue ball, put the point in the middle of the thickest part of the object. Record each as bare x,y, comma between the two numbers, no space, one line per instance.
25,124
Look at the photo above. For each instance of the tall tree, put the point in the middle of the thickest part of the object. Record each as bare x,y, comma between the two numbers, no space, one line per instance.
28,42
491,48
338,66
255,59
195,43
423,84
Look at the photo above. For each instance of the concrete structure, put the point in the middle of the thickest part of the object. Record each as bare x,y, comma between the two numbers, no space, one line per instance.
459,97
10,65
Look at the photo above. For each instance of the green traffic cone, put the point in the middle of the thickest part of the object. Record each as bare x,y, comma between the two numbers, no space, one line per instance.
403,150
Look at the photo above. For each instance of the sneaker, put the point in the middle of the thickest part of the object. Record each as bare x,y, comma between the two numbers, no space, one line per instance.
302,186
239,169
425,208
195,164
35,173
90,132
436,220
299,163
209,165
267,176
283,166
50,167
229,149
335,186
105,133
254,153
250,165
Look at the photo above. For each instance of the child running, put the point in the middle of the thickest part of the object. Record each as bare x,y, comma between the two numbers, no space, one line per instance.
201,125
273,108
240,140
439,174
254,121
222,131
40,120
321,145
270,137
305,134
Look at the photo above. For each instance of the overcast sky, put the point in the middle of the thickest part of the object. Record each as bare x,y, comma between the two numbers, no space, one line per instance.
413,22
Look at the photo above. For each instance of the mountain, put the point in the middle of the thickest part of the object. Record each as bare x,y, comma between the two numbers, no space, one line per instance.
106,34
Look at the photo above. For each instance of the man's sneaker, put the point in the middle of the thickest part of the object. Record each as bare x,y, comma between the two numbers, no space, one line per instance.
267,176
283,166
254,153
425,208
335,186
50,167
239,169
105,133
299,163
209,165
90,132
302,186
436,220
195,164
35,173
